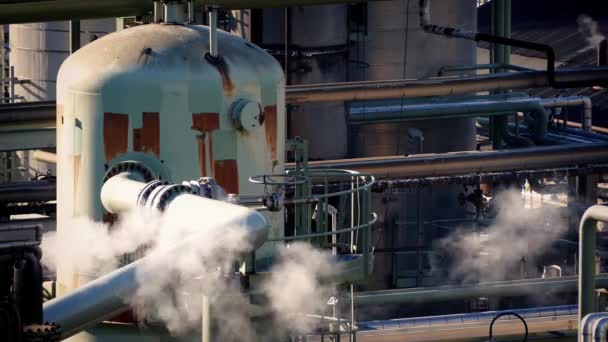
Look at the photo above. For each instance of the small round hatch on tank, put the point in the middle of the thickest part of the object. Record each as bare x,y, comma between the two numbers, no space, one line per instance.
247,114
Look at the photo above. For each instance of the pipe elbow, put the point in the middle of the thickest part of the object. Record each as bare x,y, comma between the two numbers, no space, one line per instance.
594,213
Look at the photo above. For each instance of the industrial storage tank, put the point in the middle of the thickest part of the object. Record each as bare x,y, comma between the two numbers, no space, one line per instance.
153,94
36,53
38,49
316,38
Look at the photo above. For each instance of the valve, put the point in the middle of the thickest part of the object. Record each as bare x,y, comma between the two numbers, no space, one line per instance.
274,200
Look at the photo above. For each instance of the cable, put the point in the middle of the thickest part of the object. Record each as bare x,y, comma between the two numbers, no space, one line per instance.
512,314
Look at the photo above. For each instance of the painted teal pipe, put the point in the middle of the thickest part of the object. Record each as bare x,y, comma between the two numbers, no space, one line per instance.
443,110
492,105
512,288
586,251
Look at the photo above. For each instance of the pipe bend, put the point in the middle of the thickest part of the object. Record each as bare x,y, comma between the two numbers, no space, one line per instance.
596,212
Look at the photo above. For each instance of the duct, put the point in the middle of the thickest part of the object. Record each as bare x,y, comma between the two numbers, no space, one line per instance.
108,296
33,191
587,245
442,86
585,101
452,110
460,163
54,10
490,289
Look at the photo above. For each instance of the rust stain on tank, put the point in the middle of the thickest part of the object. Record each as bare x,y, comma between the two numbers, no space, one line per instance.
147,138
227,175
115,134
224,71
270,120
137,139
76,169
205,123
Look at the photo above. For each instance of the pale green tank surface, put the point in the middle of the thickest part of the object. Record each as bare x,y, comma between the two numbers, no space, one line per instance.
150,94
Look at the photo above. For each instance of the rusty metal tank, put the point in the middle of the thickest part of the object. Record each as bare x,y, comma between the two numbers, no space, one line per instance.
150,94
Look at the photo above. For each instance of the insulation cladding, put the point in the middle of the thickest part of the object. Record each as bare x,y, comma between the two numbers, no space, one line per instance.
150,92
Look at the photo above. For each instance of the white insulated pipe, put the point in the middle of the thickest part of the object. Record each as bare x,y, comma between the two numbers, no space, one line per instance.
213,31
109,295
43,156
120,192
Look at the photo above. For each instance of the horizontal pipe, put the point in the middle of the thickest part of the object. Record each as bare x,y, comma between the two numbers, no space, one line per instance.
33,191
43,111
109,295
585,101
586,264
513,288
443,86
504,66
448,110
55,10
43,156
461,163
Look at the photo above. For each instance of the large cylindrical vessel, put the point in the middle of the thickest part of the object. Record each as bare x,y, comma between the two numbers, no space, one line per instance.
396,47
150,94
36,53
38,49
316,38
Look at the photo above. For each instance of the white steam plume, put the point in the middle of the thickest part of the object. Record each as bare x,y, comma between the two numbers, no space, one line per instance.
170,290
296,285
496,251
589,29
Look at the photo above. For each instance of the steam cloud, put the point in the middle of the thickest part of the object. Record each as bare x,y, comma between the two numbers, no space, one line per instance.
590,30
170,290
497,251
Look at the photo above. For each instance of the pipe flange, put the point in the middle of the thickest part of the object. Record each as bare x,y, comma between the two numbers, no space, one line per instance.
147,190
167,193
129,165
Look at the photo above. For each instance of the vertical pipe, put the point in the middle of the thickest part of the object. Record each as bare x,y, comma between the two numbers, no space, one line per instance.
190,12
587,244
507,32
11,82
213,31
602,53
158,12
498,29
206,320
74,35
27,286
2,63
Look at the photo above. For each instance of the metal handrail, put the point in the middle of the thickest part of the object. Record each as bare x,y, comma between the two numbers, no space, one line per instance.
340,231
